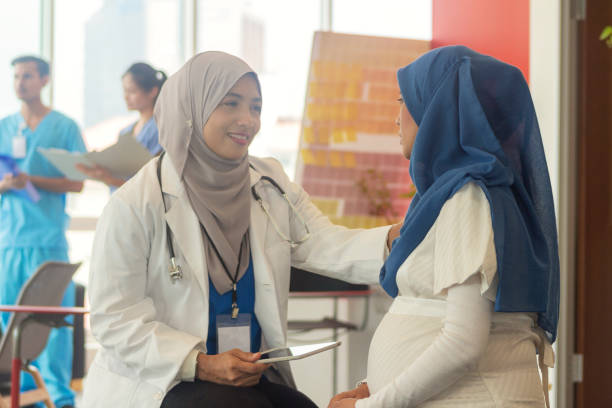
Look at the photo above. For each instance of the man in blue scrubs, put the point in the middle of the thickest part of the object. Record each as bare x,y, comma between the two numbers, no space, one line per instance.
34,232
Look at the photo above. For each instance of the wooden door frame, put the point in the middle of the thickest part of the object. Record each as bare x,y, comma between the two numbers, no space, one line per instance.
593,281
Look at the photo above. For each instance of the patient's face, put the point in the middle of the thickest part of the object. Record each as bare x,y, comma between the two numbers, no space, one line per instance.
407,130
232,126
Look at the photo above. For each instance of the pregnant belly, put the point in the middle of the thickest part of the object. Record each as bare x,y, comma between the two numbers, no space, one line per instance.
397,342
508,368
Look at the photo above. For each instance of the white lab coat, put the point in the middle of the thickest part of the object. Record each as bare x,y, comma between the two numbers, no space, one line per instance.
146,325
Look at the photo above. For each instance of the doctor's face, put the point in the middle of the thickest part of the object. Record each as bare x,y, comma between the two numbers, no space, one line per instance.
231,127
27,81
407,130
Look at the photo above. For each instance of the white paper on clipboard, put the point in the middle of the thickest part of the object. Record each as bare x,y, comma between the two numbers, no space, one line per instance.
123,159
65,161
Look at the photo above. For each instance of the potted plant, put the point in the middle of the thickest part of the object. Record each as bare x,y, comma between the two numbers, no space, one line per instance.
606,35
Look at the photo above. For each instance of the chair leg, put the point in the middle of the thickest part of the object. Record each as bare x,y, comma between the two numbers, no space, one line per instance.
40,393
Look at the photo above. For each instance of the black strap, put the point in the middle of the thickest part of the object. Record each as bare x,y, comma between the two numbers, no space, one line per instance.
159,179
233,279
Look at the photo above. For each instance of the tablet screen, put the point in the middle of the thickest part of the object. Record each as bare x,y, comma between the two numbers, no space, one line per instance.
295,352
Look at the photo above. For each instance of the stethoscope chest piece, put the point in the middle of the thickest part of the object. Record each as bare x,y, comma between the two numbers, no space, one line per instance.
176,273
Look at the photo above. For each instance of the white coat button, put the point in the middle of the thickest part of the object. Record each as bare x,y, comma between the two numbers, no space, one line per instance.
158,396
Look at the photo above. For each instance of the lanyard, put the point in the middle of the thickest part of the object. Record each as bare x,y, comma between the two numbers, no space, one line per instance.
234,279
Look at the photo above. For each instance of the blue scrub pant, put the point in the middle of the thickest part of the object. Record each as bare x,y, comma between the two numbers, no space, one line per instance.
55,362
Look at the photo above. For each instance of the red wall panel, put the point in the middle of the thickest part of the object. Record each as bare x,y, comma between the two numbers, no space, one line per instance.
499,28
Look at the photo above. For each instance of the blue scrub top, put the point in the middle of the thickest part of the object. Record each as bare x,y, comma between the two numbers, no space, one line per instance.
148,136
24,224
222,304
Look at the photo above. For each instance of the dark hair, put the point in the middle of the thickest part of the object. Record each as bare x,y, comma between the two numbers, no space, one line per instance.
146,77
42,66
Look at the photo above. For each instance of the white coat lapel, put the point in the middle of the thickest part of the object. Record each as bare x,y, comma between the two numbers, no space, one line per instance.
266,299
184,224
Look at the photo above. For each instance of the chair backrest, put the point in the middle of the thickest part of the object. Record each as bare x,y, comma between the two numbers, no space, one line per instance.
45,287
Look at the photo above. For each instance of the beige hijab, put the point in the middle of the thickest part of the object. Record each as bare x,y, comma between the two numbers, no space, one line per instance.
218,188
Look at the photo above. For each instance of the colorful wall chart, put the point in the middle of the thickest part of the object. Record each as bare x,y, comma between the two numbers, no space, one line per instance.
350,158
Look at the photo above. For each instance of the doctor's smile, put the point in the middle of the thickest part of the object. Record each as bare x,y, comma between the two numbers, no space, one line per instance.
240,138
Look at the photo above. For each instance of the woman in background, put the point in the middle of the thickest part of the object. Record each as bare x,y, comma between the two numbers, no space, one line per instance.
141,86
475,271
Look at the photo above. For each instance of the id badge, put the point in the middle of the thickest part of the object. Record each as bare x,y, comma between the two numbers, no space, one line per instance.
233,333
19,147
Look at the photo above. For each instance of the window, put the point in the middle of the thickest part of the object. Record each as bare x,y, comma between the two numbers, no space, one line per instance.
20,33
387,18
275,38
95,42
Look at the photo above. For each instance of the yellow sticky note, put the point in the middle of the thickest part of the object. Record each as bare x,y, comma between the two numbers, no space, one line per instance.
334,112
356,73
351,91
338,136
308,135
351,135
349,160
323,135
321,158
351,111
314,90
310,111
308,157
335,159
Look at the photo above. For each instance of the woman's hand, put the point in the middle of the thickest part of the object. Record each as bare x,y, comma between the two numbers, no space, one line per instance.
393,233
234,367
100,173
362,391
344,403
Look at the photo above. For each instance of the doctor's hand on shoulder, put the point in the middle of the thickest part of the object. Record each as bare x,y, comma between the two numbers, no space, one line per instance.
393,233
234,367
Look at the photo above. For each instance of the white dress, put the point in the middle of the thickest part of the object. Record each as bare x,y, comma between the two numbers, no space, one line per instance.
458,249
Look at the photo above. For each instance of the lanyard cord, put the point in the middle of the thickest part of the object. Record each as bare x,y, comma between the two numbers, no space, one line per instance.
233,279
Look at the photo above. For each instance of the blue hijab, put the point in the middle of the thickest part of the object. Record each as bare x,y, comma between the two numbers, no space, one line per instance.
477,124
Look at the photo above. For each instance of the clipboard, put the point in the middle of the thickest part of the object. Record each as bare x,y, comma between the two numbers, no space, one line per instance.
123,159
66,161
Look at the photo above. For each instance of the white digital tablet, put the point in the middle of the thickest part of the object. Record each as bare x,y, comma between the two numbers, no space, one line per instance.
295,352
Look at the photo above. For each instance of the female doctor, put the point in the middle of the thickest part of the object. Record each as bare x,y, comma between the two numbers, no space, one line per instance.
195,251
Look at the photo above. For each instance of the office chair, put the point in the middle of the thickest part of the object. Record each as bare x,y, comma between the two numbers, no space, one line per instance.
45,287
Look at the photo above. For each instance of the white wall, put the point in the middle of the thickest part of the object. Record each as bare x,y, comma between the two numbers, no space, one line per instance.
545,84
544,73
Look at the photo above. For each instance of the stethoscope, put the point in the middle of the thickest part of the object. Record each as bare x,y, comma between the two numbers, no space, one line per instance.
174,268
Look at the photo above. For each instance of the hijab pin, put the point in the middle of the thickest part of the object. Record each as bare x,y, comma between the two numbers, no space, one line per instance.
189,123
